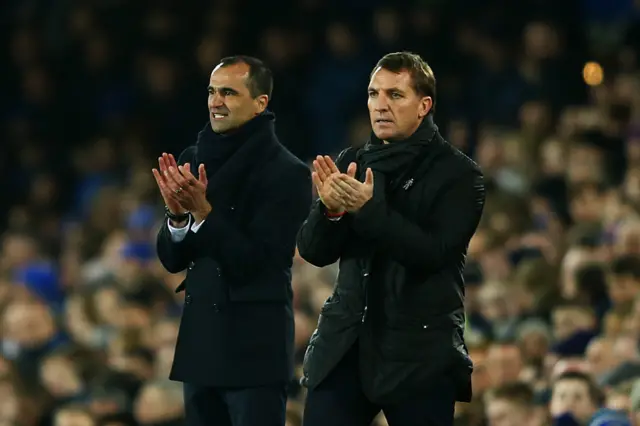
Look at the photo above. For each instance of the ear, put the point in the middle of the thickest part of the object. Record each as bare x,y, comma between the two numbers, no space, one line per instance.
262,102
426,104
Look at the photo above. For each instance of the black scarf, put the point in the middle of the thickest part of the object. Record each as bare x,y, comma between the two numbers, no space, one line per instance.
214,149
389,161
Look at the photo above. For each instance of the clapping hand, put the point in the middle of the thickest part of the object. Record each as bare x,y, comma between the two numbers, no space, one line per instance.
178,185
194,190
325,172
352,193
168,189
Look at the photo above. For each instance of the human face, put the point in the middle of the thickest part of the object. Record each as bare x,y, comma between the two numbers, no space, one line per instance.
501,412
72,418
572,396
395,109
622,289
504,363
230,102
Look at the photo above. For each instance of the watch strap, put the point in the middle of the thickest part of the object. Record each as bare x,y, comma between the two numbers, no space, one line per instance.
176,217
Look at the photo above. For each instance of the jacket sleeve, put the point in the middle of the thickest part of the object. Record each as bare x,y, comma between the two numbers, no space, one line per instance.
175,257
448,228
269,239
320,240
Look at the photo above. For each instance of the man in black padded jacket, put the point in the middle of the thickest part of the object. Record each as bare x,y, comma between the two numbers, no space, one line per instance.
234,204
398,214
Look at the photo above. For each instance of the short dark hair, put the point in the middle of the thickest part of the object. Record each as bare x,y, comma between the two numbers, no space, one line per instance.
628,265
518,393
424,81
260,80
595,394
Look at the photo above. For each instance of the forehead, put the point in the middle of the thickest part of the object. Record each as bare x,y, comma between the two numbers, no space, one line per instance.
502,406
229,76
571,385
503,352
383,79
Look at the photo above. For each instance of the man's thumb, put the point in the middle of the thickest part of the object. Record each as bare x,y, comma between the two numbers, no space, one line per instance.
202,174
369,177
351,170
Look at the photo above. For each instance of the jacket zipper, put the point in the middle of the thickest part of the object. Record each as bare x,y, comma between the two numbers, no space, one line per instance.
366,296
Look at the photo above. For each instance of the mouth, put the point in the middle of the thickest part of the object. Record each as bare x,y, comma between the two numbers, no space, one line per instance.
383,121
218,116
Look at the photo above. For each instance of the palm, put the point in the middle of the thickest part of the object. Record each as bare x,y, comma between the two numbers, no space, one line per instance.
325,171
166,161
325,194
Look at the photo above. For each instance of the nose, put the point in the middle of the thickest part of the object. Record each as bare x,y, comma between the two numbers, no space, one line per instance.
215,100
381,103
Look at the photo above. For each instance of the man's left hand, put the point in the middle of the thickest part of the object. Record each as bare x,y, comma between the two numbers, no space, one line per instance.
192,190
353,194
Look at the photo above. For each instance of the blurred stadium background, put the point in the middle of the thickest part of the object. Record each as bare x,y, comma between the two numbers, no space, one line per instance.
543,94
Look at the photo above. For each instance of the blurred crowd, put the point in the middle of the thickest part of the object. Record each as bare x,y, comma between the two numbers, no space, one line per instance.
93,91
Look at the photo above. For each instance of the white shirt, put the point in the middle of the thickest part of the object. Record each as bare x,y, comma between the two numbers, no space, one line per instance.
179,234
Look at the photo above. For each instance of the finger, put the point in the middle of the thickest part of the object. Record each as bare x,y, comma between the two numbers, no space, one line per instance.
347,186
191,184
202,175
341,191
316,180
159,180
320,169
189,178
165,158
325,166
166,192
331,164
368,179
352,194
171,183
162,164
343,199
176,175
200,183
172,161
351,171
185,170
348,180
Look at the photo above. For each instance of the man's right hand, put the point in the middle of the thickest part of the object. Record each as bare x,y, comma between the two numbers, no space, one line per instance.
325,170
171,197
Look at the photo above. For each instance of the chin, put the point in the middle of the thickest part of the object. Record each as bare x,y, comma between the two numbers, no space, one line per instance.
219,127
385,135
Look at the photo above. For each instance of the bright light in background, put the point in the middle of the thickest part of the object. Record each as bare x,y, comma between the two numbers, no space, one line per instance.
593,74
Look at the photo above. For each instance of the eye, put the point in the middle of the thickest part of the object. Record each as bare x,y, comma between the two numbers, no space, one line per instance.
372,94
227,92
396,95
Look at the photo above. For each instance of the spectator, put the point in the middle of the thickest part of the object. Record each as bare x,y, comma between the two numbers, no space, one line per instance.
510,405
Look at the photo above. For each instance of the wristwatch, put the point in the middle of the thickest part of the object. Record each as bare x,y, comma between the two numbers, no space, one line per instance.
176,217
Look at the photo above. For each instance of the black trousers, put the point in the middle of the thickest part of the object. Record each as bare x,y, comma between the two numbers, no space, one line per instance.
339,401
258,406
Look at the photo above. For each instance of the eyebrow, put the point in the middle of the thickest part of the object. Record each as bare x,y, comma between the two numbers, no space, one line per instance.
210,88
391,89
